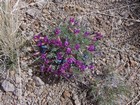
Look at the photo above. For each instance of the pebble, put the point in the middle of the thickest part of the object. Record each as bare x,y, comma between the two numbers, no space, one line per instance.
7,86
119,22
66,94
18,78
12,73
18,92
76,100
38,91
33,12
30,72
38,81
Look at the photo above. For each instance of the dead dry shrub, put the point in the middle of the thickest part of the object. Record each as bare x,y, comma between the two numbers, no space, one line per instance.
10,38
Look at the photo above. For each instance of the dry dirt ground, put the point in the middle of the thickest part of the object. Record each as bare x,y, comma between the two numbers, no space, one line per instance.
117,20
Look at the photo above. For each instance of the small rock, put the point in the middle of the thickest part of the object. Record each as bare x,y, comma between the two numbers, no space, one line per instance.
62,99
30,86
98,72
18,78
33,12
23,26
25,93
125,14
38,91
12,73
29,49
76,100
119,22
30,72
97,6
24,65
134,63
31,33
38,81
7,86
18,92
45,10
66,94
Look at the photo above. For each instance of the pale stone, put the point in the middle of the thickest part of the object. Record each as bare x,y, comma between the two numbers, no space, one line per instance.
7,86
38,81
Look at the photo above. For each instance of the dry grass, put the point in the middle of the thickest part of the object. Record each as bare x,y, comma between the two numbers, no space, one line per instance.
10,38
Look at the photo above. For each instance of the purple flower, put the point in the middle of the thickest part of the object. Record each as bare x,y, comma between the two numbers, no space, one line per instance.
36,37
36,53
94,39
46,61
76,23
58,42
39,43
52,41
59,56
66,65
77,46
78,63
71,20
99,36
91,67
42,68
62,69
57,31
91,48
66,43
68,50
49,68
83,67
76,31
46,40
71,60
86,33
43,56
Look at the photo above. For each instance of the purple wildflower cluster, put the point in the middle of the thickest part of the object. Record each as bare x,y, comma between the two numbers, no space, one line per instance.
60,53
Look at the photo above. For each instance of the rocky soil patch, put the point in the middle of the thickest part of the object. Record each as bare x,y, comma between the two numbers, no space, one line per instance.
117,20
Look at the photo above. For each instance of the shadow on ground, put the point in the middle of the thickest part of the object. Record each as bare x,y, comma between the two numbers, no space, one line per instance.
134,38
134,30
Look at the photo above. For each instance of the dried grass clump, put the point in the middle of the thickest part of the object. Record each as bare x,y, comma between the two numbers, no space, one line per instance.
10,38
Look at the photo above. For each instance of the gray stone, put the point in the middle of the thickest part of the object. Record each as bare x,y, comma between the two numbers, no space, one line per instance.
38,81
18,78
33,12
76,100
18,92
30,72
7,86
38,91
